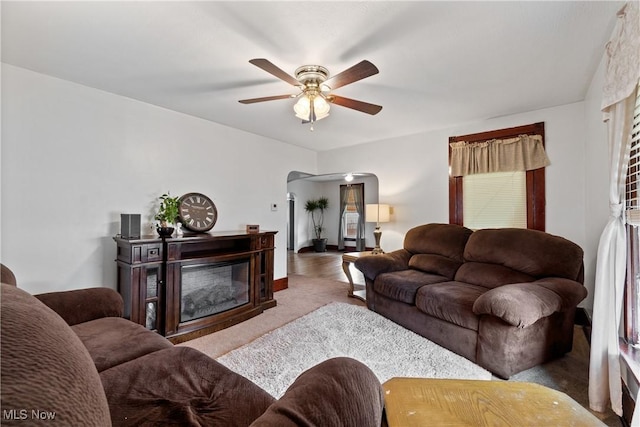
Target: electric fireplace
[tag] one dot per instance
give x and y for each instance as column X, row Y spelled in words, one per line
column 188, row 286
column 210, row 289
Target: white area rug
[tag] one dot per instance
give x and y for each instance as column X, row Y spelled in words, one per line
column 274, row 360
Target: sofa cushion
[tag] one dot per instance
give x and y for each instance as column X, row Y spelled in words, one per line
column 437, row 264
column 337, row 392
column 490, row 275
column 532, row 252
column 519, row 304
column 402, row 285
column 44, row 367
column 447, row 240
column 450, row 301
column 114, row 340
column 194, row 390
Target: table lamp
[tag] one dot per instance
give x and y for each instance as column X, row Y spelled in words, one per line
column 377, row 213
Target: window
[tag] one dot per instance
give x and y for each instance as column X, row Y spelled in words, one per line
column 350, row 215
column 351, row 221
column 493, row 200
column 632, row 205
column 498, row 199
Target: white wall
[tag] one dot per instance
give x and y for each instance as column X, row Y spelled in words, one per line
column 333, row 218
column 596, row 203
column 305, row 189
column 75, row 158
column 413, row 174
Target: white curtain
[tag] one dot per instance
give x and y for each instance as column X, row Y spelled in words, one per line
column 359, row 202
column 623, row 72
column 344, row 198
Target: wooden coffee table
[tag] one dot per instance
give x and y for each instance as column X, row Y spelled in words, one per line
column 439, row 402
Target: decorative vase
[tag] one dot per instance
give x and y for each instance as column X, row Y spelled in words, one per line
column 320, row 245
column 165, row 231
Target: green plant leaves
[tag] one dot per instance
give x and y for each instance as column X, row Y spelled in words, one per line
column 169, row 208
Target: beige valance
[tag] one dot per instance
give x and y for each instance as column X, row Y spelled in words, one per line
column 523, row 153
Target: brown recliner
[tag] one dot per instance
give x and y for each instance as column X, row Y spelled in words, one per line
column 70, row 356
column 7, row 276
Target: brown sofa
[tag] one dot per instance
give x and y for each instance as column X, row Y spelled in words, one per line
column 503, row 298
column 70, row 356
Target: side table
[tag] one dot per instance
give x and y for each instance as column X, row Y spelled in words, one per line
column 349, row 258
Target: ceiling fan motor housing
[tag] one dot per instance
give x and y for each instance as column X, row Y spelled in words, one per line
column 312, row 76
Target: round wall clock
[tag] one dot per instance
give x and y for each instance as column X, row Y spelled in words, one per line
column 197, row 212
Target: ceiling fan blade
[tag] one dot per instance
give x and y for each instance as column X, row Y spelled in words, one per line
column 267, row 66
column 359, row 71
column 266, row 98
column 365, row 107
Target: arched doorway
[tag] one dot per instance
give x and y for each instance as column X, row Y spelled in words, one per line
column 302, row 186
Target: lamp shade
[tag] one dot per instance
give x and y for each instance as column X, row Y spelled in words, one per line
column 302, row 108
column 377, row 213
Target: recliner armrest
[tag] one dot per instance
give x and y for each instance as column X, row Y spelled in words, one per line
column 372, row 266
column 83, row 305
column 337, row 392
column 520, row 304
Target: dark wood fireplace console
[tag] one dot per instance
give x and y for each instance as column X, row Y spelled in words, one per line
column 185, row 287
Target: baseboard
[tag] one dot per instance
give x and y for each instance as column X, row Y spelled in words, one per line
column 333, row 248
column 583, row 318
column 628, row 406
column 280, row 284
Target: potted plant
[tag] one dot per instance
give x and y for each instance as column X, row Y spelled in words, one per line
column 167, row 214
column 316, row 208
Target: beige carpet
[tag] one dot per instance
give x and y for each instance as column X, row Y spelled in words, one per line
column 305, row 294
column 274, row 360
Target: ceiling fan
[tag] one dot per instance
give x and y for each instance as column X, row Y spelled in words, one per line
column 315, row 89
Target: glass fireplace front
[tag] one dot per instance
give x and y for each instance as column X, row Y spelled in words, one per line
column 209, row 289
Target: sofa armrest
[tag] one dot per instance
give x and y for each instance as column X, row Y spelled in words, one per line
column 571, row 292
column 337, row 392
column 372, row 266
column 82, row 305
column 518, row 304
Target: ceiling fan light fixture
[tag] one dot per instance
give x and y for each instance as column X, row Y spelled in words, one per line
column 315, row 86
column 321, row 107
column 302, row 108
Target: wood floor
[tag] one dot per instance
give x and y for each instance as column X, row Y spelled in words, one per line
column 326, row 265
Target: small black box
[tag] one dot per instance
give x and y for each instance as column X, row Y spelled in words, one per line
column 130, row 226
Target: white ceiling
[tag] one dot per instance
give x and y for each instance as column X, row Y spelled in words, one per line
column 441, row 63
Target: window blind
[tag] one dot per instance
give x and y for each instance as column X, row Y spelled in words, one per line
column 632, row 193
column 495, row 200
